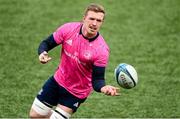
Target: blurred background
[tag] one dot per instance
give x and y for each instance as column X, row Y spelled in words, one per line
column 143, row 33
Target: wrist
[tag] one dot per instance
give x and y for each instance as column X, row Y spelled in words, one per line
column 98, row 84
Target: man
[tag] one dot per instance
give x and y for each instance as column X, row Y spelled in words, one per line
column 84, row 57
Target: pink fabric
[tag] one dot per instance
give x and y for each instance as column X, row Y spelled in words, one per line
column 77, row 57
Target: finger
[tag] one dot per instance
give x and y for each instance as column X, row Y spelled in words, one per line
column 108, row 92
column 117, row 94
column 44, row 59
column 117, row 88
column 49, row 58
column 113, row 93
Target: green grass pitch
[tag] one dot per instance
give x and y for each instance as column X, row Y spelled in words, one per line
column 143, row 33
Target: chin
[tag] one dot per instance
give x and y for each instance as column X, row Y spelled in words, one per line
column 93, row 32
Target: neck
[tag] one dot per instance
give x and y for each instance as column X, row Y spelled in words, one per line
column 86, row 34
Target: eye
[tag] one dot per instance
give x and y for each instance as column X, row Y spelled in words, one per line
column 91, row 18
column 99, row 20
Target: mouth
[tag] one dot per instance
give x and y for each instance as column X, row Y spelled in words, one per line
column 93, row 29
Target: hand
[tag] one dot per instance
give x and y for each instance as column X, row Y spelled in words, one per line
column 44, row 58
column 110, row 90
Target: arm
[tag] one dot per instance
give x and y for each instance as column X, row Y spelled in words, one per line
column 98, row 78
column 98, row 82
column 45, row 46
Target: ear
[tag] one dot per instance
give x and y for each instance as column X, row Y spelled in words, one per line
column 84, row 17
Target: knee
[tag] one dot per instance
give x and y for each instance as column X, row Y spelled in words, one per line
column 39, row 110
column 34, row 115
column 60, row 114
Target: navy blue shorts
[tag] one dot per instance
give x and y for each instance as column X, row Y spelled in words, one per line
column 52, row 94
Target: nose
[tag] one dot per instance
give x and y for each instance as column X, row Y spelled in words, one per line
column 94, row 22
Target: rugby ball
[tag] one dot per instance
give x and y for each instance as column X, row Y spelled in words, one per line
column 126, row 76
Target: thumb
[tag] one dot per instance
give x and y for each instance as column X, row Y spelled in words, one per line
column 49, row 58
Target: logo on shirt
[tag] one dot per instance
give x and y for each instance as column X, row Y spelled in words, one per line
column 74, row 57
column 87, row 55
column 40, row 92
column 76, row 104
column 69, row 41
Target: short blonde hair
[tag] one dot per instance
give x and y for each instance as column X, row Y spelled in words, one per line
column 95, row 8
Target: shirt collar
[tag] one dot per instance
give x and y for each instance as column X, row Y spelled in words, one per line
column 89, row 39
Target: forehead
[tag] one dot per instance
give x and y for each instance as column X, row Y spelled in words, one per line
column 98, row 15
